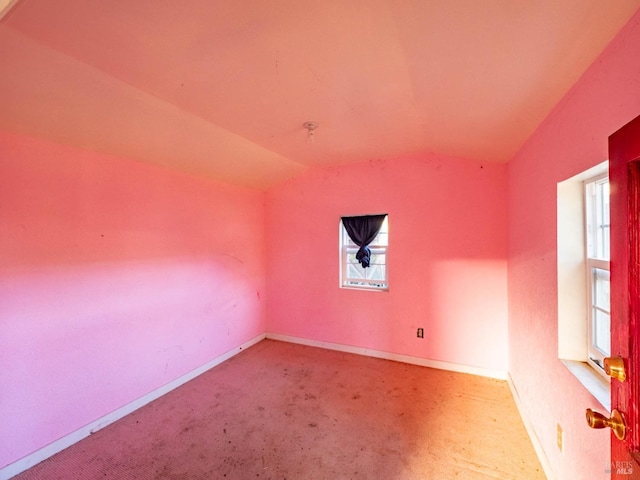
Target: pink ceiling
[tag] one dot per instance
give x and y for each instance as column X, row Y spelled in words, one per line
column 221, row 88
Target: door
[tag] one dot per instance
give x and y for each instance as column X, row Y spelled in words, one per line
column 624, row 177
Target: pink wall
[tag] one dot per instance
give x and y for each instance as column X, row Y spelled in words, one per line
column 447, row 259
column 116, row 278
column 572, row 139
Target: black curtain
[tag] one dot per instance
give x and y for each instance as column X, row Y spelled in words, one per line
column 362, row 230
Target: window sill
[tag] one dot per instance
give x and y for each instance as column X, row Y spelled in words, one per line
column 596, row 384
column 367, row 289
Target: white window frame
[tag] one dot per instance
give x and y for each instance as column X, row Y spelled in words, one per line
column 379, row 246
column 596, row 257
column 573, row 301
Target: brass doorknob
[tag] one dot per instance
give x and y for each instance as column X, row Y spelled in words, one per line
column 614, row 367
column 615, row 423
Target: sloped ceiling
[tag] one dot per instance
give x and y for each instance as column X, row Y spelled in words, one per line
column 221, row 88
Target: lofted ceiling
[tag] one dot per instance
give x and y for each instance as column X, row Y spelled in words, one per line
column 221, row 88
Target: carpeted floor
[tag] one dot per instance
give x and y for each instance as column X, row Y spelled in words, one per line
column 281, row 411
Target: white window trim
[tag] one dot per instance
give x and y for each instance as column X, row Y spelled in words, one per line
column 364, row 284
column 572, row 287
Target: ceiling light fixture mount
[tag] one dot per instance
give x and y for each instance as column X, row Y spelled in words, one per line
column 310, row 126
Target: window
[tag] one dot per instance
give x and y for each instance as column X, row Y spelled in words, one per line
column 583, row 293
column 597, row 267
column 352, row 273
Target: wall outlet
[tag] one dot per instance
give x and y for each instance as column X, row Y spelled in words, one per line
column 421, row 333
column 560, row 437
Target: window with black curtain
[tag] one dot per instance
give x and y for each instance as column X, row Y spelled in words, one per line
column 364, row 244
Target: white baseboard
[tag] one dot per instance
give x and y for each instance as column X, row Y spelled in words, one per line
column 454, row 367
column 45, row 452
column 537, row 446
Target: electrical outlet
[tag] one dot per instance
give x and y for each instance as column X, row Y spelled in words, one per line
column 560, row 438
column 421, row 333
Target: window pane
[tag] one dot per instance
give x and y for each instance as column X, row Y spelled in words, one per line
column 376, row 272
column 381, row 239
column 601, row 288
column 602, row 195
column 348, row 240
column 355, row 271
column 602, row 331
column 378, row 259
column 598, row 218
column 604, row 242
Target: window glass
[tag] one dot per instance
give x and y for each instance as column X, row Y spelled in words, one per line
column 597, row 249
column 601, row 313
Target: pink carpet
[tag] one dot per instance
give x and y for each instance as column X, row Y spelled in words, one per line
column 291, row 412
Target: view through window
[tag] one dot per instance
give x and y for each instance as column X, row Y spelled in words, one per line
column 597, row 262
